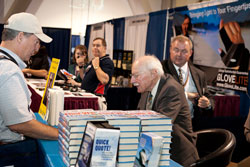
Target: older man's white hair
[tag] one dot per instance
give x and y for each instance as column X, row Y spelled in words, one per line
column 150, row 62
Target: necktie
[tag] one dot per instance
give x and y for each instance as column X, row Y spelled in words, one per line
column 149, row 101
column 180, row 76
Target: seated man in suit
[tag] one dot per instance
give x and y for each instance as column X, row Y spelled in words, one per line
column 166, row 96
column 192, row 79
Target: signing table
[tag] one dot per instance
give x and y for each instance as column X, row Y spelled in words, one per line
column 72, row 100
column 49, row 151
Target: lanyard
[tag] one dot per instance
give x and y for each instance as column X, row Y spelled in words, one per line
column 9, row 57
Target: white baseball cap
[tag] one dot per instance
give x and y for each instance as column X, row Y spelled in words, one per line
column 26, row 22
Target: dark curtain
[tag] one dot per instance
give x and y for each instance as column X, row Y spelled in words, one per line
column 156, row 34
column 119, row 28
column 60, row 46
column 1, row 29
column 87, row 36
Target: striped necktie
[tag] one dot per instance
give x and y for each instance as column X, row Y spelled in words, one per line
column 180, row 76
column 149, row 101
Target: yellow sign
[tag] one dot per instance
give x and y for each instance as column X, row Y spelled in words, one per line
column 49, row 84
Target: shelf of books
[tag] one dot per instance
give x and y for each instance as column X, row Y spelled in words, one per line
column 122, row 60
column 144, row 138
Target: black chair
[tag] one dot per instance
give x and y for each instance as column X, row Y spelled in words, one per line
column 215, row 147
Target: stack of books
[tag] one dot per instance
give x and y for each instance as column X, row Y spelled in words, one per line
column 158, row 124
column 129, row 126
column 71, row 128
column 72, row 125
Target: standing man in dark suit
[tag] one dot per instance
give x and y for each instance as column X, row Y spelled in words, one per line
column 192, row 79
column 166, row 96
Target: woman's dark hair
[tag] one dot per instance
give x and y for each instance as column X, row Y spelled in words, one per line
column 84, row 51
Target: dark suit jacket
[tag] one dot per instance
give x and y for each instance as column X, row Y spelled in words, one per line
column 170, row 100
column 199, row 81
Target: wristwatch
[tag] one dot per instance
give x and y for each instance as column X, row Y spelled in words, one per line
column 96, row 67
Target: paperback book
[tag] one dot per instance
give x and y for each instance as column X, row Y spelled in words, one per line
column 149, row 150
column 99, row 145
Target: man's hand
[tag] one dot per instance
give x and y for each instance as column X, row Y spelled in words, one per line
column 96, row 62
column 101, row 75
column 203, row 102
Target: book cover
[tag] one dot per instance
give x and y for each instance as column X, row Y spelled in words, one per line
column 67, row 74
column 83, row 159
column 105, row 148
column 149, row 150
column 49, row 84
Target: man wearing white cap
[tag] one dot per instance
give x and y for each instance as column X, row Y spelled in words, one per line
column 20, row 37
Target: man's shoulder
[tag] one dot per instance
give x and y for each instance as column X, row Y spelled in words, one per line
column 7, row 65
column 167, row 66
column 169, row 81
column 8, row 68
column 106, row 58
column 106, row 61
column 193, row 68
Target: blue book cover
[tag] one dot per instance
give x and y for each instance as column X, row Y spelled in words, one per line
column 149, row 150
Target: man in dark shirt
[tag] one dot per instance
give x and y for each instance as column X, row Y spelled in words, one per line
column 98, row 74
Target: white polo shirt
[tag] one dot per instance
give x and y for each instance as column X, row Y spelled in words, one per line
column 15, row 97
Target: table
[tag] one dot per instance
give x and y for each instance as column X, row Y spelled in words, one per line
column 76, row 102
column 49, row 150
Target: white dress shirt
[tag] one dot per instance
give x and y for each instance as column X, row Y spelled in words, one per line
column 189, row 86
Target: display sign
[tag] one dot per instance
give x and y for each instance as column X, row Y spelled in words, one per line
column 49, row 84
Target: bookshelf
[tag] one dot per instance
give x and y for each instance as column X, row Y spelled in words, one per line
column 122, row 60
